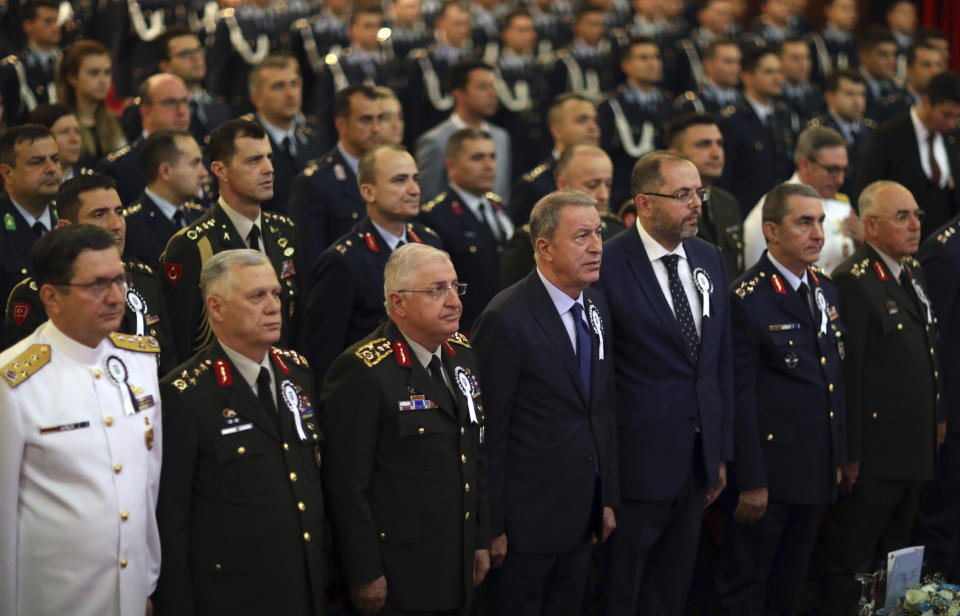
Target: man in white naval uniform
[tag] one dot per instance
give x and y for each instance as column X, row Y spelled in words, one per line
column 79, row 443
column 821, row 159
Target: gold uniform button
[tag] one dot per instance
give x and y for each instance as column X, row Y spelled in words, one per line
column 108, row 420
column 874, row 415
column 241, row 450
column 931, row 350
column 463, row 458
column 420, row 430
column 473, row 249
column 830, row 388
column 123, row 563
column 218, row 566
column 97, row 374
column 301, row 506
column 117, row 468
column 306, row 536
column 383, row 535
column 769, row 437
column 293, row 476
column 124, row 515
column 286, row 447
column 899, row 325
column 819, row 335
column 466, row 516
column 936, row 374
column 466, row 487
column 823, row 361
column 461, row 430
column 315, row 437
column 831, row 414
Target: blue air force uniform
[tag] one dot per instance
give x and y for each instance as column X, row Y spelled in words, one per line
column 149, row 229
column 26, row 80
column 789, row 431
column 591, row 71
column 530, row 188
column 426, row 99
column 125, row 166
column 290, row 156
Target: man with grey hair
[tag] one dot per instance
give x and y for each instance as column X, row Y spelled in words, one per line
column 892, row 381
column 548, row 379
column 788, row 442
column 821, row 159
column 346, row 282
column 404, row 468
column 241, row 511
column 674, row 385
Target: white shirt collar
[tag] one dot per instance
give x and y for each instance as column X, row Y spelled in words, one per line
column 762, row 111
column 352, row 161
column 391, row 239
column 248, row 368
column 922, row 133
column 45, row 218
column 654, row 249
column 166, row 208
column 459, row 123
column 423, row 354
column 241, row 223
column 278, row 134
column 789, row 276
column 471, row 200
column 561, row 300
column 891, row 264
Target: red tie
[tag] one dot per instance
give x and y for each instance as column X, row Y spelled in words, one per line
column 934, row 167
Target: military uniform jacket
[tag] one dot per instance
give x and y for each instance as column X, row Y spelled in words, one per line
column 426, row 99
column 125, row 166
column 25, row 82
column 149, row 229
column 206, row 114
column 830, row 50
column 940, row 256
column 79, row 474
column 325, row 203
column 591, row 74
column 524, row 93
column 346, row 291
column 474, row 250
column 404, row 470
column 543, row 421
column 789, row 431
column 311, row 143
column 721, row 226
column 190, row 248
column 530, row 188
column 16, row 241
column 890, row 370
column 758, row 156
column 628, row 130
column 241, row 504
column 145, row 313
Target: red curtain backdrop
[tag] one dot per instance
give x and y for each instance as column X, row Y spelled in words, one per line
column 945, row 15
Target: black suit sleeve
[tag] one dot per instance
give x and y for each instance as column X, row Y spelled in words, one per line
column 854, row 302
column 180, row 436
column 873, row 161
column 499, row 373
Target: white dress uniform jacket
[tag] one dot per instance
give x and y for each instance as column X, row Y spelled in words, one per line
column 79, row 474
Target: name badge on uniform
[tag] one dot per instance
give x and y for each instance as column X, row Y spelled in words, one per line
column 705, row 285
column 65, row 427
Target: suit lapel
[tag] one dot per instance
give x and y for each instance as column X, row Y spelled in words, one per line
column 240, row 396
column 545, row 313
column 642, row 269
column 706, row 323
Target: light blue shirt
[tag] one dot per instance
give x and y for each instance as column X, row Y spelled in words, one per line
column 564, row 305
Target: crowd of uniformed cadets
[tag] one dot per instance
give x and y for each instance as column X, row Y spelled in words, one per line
column 642, row 308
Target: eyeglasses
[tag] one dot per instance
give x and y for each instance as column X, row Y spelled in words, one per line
column 100, row 286
column 901, row 218
column 172, row 103
column 460, row 288
column 685, row 197
column 186, row 53
column 832, row 169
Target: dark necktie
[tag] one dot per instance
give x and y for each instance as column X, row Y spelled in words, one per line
column 179, row 218
column 584, row 346
column 39, row 228
column 265, row 391
column 436, row 373
column 253, row 238
column 934, row 167
column 288, row 147
column 804, row 292
column 681, row 307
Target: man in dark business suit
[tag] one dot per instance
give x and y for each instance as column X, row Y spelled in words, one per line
column 891, row 376
column 674, row 386
column 240, row 510
column 548, row 377
column 920, row 149
column 175, row 175
column 404, row 465
column 789, row 444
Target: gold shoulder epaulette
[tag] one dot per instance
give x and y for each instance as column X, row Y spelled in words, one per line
column 292, row 355
column 460, row 339
column 842, row 198
column 248, row 116
column 227, row 12
column 535, row 173
column 869, row 123
column 189, row 375
column 274, row 217
column 494, row 197
column 433, row 202
column 374, row 352
column 26, row 364
column 728, row 111
column 859, row 269
column 912, row 262
column 133, row 209
column 130, row 342
column 814, row 122
column 748, row 286
column 190, row 205
column 946, row 234
column 112, row 156
column 820, row 272
column 430, row 231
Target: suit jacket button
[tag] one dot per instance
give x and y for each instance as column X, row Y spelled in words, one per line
column 301, row 506
column 831, row 414
column 293, row 476
column 286, row 447
column 420, row 430
column 769, row 437
column 306, row 536
column 383, row 535
column 241, row 450
column 218, row 566
column 463, row 458
column 466, row 516
column 466, row 487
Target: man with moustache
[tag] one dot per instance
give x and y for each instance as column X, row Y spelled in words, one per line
column 891, row 378
column 346, row 286
column 93, row 200
column 789, row 445
column 241, row 161
column 404, row 468
column 542, row 350
column 582, row 167
column 674, row 386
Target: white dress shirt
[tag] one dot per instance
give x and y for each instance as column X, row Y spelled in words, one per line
column 939, row 149
column 242, row 224
column 249, row 369
column 655, row 252
column 46, row 218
